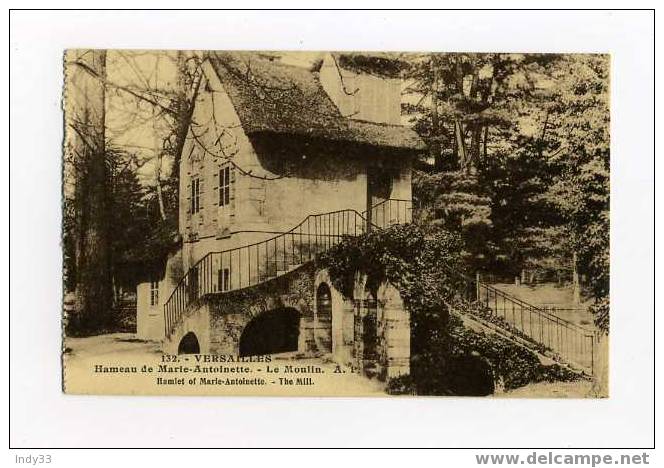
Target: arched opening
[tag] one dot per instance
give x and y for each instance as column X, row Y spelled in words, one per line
column 323, row 330
column 469, row 375
column 189, row 344
column 272, row 332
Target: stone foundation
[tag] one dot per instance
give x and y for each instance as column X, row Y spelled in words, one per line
column 369, row 331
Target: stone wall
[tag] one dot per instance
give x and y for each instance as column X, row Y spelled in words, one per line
column 219, row 320
column 231, row 312
column 390, row 356
column 150, row 318
column 394, row 332
column 342, row 320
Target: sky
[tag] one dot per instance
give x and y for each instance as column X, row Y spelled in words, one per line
column 131, row 124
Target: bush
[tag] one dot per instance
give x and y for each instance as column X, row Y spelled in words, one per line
column 446, row 358
column 411, row 258
column 513, row 366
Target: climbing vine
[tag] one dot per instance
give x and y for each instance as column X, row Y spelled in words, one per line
column 513, row 366
column 446, row 357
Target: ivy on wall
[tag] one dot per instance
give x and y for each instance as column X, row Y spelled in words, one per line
column 446, row 357
column 294, row 288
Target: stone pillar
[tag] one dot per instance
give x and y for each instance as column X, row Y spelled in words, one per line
column 341, row 320
column 344, row 353
column 359, row 313
column 306, row 340
column 395, row 330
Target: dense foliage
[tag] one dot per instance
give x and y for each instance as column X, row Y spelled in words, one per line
column 517, row 169
column 446, row 357
column 519, row 161
column 513, row 366
column 410, row 258
column 580, row 129
column 140, row 240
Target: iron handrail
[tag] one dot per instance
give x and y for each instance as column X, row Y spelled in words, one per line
column 385, row 208
column 320, row 231
column 279, row 235
column 516, row 300
column 571, row 342
column 272, row 252
column 537, row 309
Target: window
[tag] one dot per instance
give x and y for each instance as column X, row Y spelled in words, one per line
column 224, row 279
column 195, row 195
column 154, row 293
column 225, row 186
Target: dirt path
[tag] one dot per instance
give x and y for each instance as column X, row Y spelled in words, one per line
column 123, row 349
column 87, row 361
column 577, row 389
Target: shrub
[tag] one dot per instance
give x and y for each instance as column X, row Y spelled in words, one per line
column 446, row 358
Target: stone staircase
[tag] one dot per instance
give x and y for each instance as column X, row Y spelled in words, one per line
column 527, row 325
column 524, row 324
column 250, row 265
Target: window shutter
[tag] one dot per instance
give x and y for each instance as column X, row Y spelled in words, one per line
column 188, row 192
column 223, row 183
column 232, row 188
column 201, row 191
column 215, row 189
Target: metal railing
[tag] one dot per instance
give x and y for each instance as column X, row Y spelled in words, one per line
column 252, row 264
column 572, row 342
column 389, row 212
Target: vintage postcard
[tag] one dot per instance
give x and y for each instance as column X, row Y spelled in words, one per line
column 336, row 223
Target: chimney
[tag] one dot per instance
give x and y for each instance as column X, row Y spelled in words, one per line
column 360, row 94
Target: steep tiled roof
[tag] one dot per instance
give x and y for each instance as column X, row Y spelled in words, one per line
column 270, row 97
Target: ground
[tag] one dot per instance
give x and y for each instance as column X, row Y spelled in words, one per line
column 550, row 296
column 82, row 354
column 577, row 389
column 123, row 349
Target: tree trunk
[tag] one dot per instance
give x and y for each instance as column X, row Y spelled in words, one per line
column 476, row 136
column 185, row 106
column 576, row 286
column 160, row 197
column 461, row 145
column 476, row 130
column 156, row 143
column 85, row 102
column 486, row 138
column 436, row 148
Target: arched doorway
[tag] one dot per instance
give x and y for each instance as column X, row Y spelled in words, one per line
column 323, row 324
column 189, row 344
column 272, row 332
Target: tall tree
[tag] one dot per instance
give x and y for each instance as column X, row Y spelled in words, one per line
column 85, row 113
column 580, row 128
column 493, row 165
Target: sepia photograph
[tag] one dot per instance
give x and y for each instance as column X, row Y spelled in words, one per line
column 323, row 223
